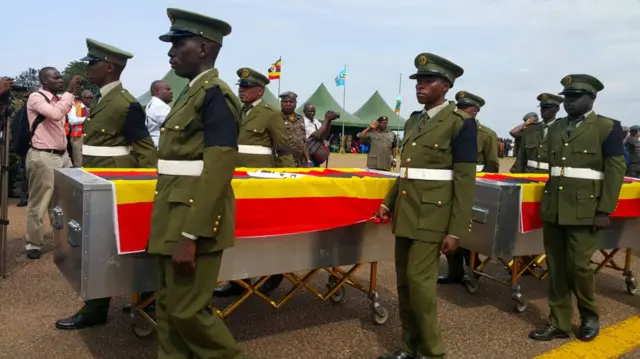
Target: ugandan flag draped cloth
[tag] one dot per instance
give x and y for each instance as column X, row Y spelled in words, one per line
column 268, row 202
column 532, row 186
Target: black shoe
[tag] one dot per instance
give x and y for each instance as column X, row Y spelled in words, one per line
column 445, row 279
column 33, row 253
column 548, row 333
column 81, row 321
column 589, row 329
column 22, row 203
column 397, row 355
column 271, row 284
column 232, row 289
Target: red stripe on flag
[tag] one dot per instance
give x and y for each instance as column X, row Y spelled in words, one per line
column 530, row 214
column 627, row 208
column 133, row 226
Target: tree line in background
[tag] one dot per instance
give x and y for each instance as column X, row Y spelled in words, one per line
column 29, row 79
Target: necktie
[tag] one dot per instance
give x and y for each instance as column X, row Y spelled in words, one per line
column 573, row 123
column 245, row 110
column 423, row 119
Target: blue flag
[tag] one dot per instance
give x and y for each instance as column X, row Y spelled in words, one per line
column 342, row 77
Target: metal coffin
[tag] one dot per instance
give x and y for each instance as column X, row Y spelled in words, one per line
column 86, row 252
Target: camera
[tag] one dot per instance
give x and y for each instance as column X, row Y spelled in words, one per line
column 335, row 114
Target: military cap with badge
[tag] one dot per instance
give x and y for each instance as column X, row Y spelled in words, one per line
column 430, row 65
column 464, row 99
column 186, row 24
column 288, row 95
column 581, row 83
column 98, row 51
column 250, row 78
column 547, row 99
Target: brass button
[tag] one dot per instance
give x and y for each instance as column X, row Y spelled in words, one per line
column 413, row 144
column 540, row 146
column 439, row 202
column 564, row 158
column 190, row 201
column 539, row 156
column 215, row 229
column 217, row 223
column 162, row 129
column 156, row 193
column 219, row 217
column 84, row 134
column 560, row 188
column 255, row 130
column 566, row 144
column 469, row 229
column 408, row 160
column 585, row 151
column 88, row 119
column 102, row 130
column 404, row 193
column 591, row 196
column 436, row 145
column 177, row 127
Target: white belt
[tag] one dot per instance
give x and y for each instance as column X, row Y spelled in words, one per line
column 426, row 174
column 540, row 165
column 582, row 173
column 254, row 150
column 104, row 151
column 479, row 168
column 180, row 168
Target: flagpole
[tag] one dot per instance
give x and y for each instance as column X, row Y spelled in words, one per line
column 399, row 95
column 344, row 100
column 279, row 78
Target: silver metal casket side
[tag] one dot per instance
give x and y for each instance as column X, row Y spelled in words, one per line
column 86, row 252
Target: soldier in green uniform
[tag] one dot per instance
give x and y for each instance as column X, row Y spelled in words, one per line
column 193, row 216
column 384, row 145
column 487, row 162
column 587, row 165
column 532, row 156
column 115, row 136
column 262, row 141
column 431, row 201
column 296, row 133
column 633, row 145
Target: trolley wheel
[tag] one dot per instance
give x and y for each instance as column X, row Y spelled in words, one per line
column 338, row 296
column 471, row 286
column 520, row 307
column 381, row 315
column 632, row 288
column 143, row 329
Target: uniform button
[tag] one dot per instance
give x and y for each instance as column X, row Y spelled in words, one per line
column 564, row 158
column 408, row 160
column 413, row 144
column 88, row 119
column 469, row 229
column 217, row 223
column 177, row 127
column 102, row 130
column 560, row 188
column 404, row 193
column 84, row 134
column 566, row 144
column 585, row 151
column 219, row 217
column 436, row 145
column 156, row 193
column 591, row 196
column 162, row 129
column 215, row 229
column 540, row 146
column 539, row 156
column 190, row 201
column 439, row 202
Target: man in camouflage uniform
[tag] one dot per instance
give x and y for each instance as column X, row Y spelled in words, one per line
column 262, row 143
column 633, row 145
column 193, row 218
column 586, row 161
column 532, row 156
column 431, row 202
column 384, row 145
column 296, row 134
column 115, row 136
column 487, row 162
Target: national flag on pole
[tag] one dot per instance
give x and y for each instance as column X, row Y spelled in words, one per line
column 398, row 103
column 274, row 70
column 342, row 77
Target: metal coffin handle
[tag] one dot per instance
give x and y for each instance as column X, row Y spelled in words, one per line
column 480, row 215
column 58, row 217
column 75, row 233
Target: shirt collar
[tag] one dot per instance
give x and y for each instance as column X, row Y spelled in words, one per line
column 104, row 90
column 198, row 77
column 434, row 111
column 256, row 102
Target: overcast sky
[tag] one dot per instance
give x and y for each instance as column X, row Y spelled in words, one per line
column 511, row 50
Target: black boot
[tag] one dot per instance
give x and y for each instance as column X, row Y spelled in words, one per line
column 548, row 333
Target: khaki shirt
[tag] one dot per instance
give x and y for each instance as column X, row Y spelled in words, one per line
column 380, row 154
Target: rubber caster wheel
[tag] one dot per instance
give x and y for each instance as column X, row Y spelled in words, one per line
column 472, row 288
column 381, row 315
column 143, row 330
column 520, row 307
column 632, row 288
column 338, row 296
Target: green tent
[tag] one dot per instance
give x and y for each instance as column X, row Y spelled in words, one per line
column 376, row 107
column 323, row 101
column 270, row 99
column 177, row 84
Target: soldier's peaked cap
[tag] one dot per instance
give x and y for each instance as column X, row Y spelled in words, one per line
column 634, row 128
column 581, row 83
column 434, row 65
column 186, row 23
column 550, row 99
column 464, row 98
column 250, row 77
column 97, row 50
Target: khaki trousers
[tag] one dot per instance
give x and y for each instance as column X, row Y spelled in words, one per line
column 40, row 166
column 76, row 146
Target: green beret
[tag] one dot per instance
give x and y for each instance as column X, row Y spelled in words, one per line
column 580, row 83
column 550, row 99
column 186, row 23
column 434, row 65
column 250, row 77
column 468, row 99
column 290, row 95
column 98, row 51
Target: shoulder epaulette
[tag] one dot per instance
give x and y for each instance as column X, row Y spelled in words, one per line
column 462, row 114
column 607, row 118
column 415, row 113
column 127, row 96
column 268, row 107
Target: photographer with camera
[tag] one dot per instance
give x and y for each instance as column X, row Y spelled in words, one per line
column 5, row 85
column 317, row 133
column 46, row 114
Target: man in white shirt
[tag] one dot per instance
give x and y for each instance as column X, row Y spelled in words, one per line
column 157, row 109
column 313, row 127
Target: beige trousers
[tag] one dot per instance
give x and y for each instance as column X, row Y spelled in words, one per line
column 76, row 146
column 40, row 166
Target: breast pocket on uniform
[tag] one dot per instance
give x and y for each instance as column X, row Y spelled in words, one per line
column 585, row 155
column 256, row 131
column 586, row 202
column 435, row 211
column 436, row 150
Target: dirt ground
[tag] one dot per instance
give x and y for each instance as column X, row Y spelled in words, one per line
column 482, row 326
